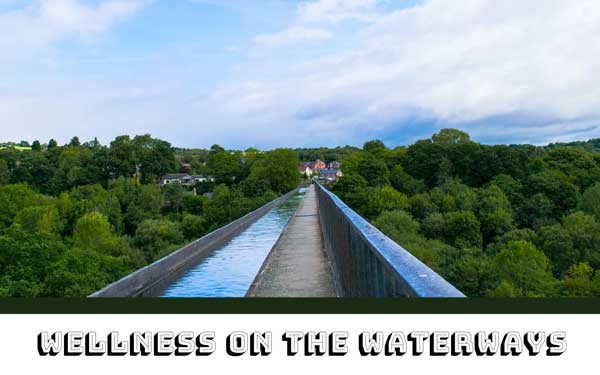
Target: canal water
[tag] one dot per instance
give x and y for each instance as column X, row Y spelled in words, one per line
column 229, row 270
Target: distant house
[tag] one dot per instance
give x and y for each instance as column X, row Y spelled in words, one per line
column 317, row 164
column 184, row 179
column 334, row 165
column 305, row 169
column 326, row 174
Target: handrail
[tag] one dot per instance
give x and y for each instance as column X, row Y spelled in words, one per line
column 367, row 263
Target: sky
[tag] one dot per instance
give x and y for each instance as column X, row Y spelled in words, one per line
column 290, row 73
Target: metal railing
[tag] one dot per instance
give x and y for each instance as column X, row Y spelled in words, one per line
column 366, row 263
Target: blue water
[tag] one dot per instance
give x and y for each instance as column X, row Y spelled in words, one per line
column 230, row 269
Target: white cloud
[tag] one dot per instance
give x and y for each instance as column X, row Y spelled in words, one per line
column 458, row 63
column 334, row 11
column 31, row 28
column 504, row 70
column 293, row 35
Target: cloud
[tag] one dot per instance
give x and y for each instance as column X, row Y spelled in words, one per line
column 458, row 63
column 334, row 11
column 506, row 71
column 293, row 35
column 29, row 29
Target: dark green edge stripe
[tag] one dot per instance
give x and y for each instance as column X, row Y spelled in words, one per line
column 298, row 306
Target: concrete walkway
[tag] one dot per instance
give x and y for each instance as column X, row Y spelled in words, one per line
column 297, row 265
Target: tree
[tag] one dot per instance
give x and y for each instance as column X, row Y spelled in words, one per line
column 122, row 157
column 405, row 183
column 52, row 144
column 465, row 198
column 193, row 226
column 375, row 147
column 399, row 226
column 75, row 142
column 223, row 166
column 371, row 168
column 590, row 202
column 526, row 268
column 557, row 243
column 578, row 281
column 25, row 259
column 154, row 238
column 494, row 213
column 36, row 146
column 449, row 137
column 563, row 194
column 434, row 226
column 467, row 269
column 4, row 172
column 585, row 233
column 174, row 195
column 39, row 218
column 370, row 202
column 443, row 201
column 463, row 230
column 403, row 229
column 92, row 198
column 148, row 203
column 511, row 187
column 15, row 198
column 421, row 206
column 155, row 157
column 279, row 169
column 536, row 212
column 500, row 242
column 93, row 232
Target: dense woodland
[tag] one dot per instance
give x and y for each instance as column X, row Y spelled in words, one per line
column 499, row 221
column 74, row 218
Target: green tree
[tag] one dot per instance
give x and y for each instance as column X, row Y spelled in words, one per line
column 155, row 157
column 500, row 242
column 421, row 206
column 590, row 202
column 25, row 258
column 4, row 172
column 585, row 232
column 193, row 226
column 405, row 183
column 443, row 201
column 92, row 198
column 557, row 243
column 39, row 218
column 36, row 146
column 223, row 165
column 403, row 229
column 434, row 226
column 448, row 137
column 463, row 230
column 494, row 213
column 93, row 232
column 155, row 238
column 526, row 268
column 15, row 198
column 578, row 280
column 75, row 142
column 279, row 169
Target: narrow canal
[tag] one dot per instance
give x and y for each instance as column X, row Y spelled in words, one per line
column 229, row 270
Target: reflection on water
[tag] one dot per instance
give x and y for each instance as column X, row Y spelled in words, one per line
column 229, row 270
